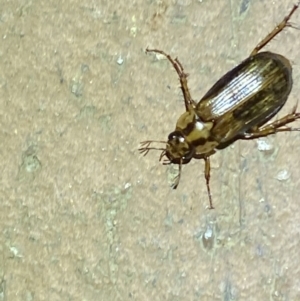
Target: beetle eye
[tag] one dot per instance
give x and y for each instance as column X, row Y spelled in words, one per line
column 177, row 136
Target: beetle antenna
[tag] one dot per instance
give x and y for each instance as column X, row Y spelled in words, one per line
column 146, row 147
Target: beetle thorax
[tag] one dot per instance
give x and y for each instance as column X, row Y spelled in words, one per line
column 192, row 138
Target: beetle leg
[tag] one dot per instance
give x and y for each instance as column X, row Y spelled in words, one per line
column 273, row 127
column 177, row 178
column 284, row 23
column 188, row 101
column 207, row 178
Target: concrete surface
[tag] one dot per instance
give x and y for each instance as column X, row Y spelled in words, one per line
column 83, row 215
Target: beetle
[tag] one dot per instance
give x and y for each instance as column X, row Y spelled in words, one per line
column 238, row 106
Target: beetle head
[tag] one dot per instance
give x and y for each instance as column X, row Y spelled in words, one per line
column 178, row 150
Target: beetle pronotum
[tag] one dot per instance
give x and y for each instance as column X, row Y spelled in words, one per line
column 238, row 106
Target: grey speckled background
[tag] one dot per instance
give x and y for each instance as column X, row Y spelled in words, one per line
column 85, row 217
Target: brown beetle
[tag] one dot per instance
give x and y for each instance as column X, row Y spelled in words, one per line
column 238, row 106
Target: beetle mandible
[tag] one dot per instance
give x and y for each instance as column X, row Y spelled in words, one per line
column 238, row 106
